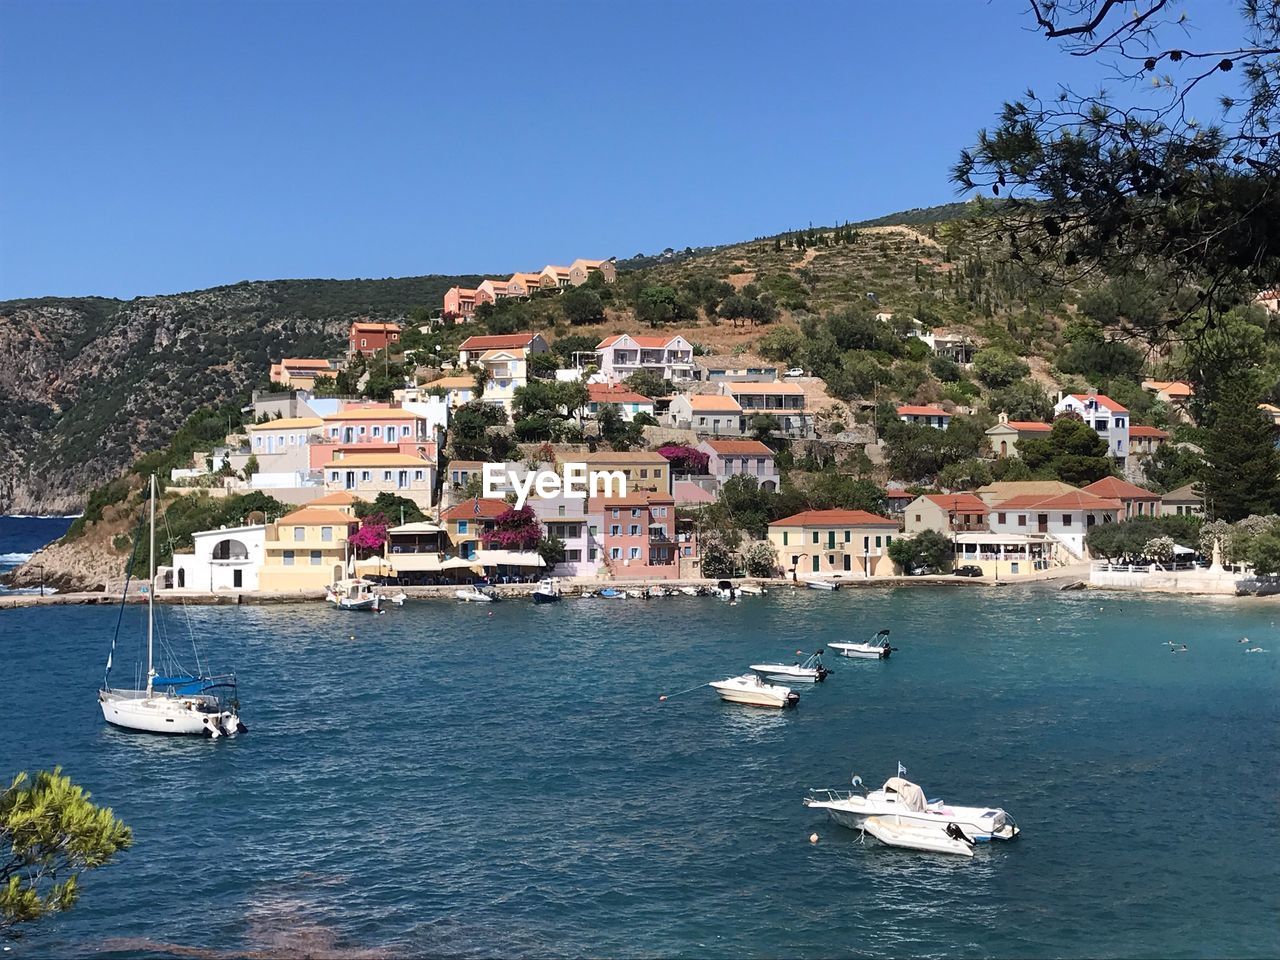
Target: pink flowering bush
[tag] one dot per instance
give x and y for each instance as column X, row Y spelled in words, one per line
column 685, row 459
column 514, row 530
column 371, row 536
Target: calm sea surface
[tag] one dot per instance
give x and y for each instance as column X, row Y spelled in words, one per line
column 465, row 781
column 22, row 536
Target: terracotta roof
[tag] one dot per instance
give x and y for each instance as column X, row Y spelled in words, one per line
column 373, row 413
column 793, row 389
column 1113, row 488
column 463, row 292
column 1076, row 500
column 466, row 464
column 500, row 342
column 379, row 460
column 1103, row 400
column 451, row 383
column 1174, row 388
column 638, row 498
column 910, row 411
column 465, row 510
column 310, row 516
column 304, row 362
column 648, row 342
column 835, row 518
column 625, row 456
column 562, row 271
column 371, row 327
column 1015, row 488
column 1030, row 426
column 339, row 499
column 711, row 403
column 753, row 447
column 605, row 393
column 526, row 278
column 580, row 262
column 1155, row 433
column 958, row 502
column 287, row 423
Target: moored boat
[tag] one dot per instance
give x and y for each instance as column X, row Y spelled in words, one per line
column 903, row 799
column 473, row 594
column 751, row 589
column 548, row 591
column 815, row 584
column 895, row 832
column 751, row 691
column 354, row 594
column 877, row 648
column 612, row 593
column 176, row 702
column 810, row 671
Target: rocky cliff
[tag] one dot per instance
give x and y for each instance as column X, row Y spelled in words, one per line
column 91, row 383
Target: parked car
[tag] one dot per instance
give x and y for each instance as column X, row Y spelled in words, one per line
column 795, row 372
column 968, row 570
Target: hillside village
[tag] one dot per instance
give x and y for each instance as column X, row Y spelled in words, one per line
column 768, row 422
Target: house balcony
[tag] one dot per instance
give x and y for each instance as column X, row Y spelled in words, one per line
column 969, row 527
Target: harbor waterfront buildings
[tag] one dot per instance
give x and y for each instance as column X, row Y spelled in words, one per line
column 307, row 549
column 834, row 543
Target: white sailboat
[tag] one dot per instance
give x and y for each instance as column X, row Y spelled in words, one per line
column 177, row 703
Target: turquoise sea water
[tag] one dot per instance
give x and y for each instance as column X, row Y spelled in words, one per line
column 455, row 783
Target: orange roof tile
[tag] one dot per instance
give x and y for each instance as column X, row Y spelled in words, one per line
column 1077, row 500
column 310, row 516
column 752, row 447
column 1152, row 433
column 606, row 393
column 1103, row 400
column 476, row 507
column 713, row 403
column 510, row 341
column 910, row 411
column 835, row 518
column 958, row 502
column 1113, row 488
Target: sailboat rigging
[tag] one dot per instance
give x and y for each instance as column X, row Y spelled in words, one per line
column 176, row 702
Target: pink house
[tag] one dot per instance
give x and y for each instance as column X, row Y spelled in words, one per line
column 637, row 536
column 751, row 458
column 459, row 302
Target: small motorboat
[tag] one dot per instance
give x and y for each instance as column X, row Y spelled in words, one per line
column 548, row 591
column 751, row 589
column 815, row 584
column 691, row 591
column 751, row 691
column 473, row 594
column 810, row 671
column 913, row 836
column 611, row 593
column 357, row 594
column 398, row 598
column 725, row 590
column 905, row 801
column 877, row 648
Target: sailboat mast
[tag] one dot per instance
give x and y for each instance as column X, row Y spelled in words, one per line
column 151, row 591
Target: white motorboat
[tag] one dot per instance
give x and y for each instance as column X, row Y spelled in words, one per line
column 810, row 671
column 750, row 690
column 725, row 590
column 751, row 589
column 356, row 594
column 691, row 591
column 397, row 598
column 877, row 648
column 548, row 591
column 905, row 800
column 815, row 584
column 895, row 832
column 176, row 702
column 472, row 594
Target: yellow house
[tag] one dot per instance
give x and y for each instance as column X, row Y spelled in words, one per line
column 834, row 543
column 307, row 549
column 644, row 470
column 368, row 474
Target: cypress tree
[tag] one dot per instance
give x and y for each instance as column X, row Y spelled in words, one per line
column 1242, row 472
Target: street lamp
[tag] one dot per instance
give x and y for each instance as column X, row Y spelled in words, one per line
column 796, row 566
column 41, row 568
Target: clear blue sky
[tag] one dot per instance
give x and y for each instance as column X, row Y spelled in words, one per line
column 154, row 147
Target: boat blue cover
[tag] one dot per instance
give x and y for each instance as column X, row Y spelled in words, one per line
column 188, row 686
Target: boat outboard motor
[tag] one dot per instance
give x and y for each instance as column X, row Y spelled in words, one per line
column 211, row 729
column 955, row 833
